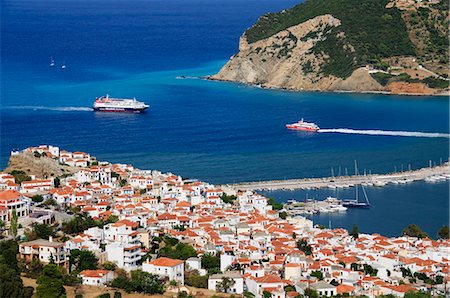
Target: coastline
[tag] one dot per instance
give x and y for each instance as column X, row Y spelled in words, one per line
column 261, row 86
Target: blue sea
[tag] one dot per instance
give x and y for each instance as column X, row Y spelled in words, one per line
column 217, row 132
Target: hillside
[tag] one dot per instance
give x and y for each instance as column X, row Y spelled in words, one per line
column 354, row 45
column 41, row 167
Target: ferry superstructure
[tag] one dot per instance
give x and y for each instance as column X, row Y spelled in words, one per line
column 303, row 125
column 109, row 104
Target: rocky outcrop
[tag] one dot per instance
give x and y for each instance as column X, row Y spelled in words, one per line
column 285, row 60
column 41, row 167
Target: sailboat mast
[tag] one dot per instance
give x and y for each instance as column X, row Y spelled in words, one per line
column 356, row 185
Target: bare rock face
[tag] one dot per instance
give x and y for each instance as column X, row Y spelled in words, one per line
column 42, row 167
column 285, row 60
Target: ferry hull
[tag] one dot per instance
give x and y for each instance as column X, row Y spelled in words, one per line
column 119, row 110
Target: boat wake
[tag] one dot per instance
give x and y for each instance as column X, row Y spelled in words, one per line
column 387, row 133
column 64, row 109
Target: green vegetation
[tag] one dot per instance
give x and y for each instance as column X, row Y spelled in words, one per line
column 194, row 279
column 385, row 78
column 140, row 281
column 373, row 31
column 11, row 285
column 20, row 176
column 443, row 232
column 317, row 274
column 355, row 232
column 436, row 83
column 50, row 284
column 39, row 231
column 83, row 221
column 304, row 246
column 225, row 284
column 82, row 260
column 13, row 223
column 37, row 198
column 228, row 199
column 211, row 262
column 275, row 205
column 176, row 250
column 283, row 215
column 413, row 230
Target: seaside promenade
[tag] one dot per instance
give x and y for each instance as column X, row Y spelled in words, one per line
column 429, row 174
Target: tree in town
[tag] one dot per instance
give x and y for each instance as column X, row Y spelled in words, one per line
column 417, row 294
column 20, row 176
column 355, row 232
column 13, row 224
column 317, row 274
column 43, row 231
column 194, row 279
column 49, row 283
column 109, row 266
column 303, row 245
column 82, row 260
column 443, row 232
column 144, row 282
column 311, row 293
column 10, row 282
column 275, row 205
column 225, row 284
column 37, row 198
column 228, row 199
column 414, row 230
column 211, row 262
column 283, row 214
column 56, row 182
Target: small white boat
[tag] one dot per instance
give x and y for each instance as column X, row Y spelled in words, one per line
column 63, row 66
column 52, row 62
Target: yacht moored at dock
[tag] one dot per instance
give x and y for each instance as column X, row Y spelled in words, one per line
column 303, row 125
column 121, row 105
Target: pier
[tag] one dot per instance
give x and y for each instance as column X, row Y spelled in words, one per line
column 429, row 174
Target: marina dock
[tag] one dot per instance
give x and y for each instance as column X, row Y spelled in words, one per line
column 429, row 174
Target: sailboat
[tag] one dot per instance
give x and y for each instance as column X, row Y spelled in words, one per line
column 355, row 203
column 52, row 62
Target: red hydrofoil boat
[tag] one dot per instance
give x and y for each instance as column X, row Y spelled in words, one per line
column 303, row 125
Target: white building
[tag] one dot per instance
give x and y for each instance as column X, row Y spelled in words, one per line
column 125, row 256
column 236, row 288
column 173, row 269
column 96, row 277
column 44, row 251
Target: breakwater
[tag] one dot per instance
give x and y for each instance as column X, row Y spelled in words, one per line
column 429, row 174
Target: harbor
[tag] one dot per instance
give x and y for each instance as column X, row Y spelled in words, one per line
column 428, row 174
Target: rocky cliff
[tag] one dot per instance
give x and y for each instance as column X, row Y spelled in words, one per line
column 362, row 46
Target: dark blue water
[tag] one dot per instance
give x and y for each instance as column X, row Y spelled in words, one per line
column 219, row 132
column 392, row 207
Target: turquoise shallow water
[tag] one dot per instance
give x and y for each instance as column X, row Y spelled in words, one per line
column 214, row 131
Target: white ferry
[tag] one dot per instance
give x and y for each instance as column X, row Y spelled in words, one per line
column 303, row 125
column 121, row 105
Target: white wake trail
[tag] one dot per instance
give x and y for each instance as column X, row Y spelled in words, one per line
column 65, row 109
column 417, row 134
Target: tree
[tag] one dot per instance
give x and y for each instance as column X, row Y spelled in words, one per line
column 417, row 294
column 177, row 250
column 211, row 262
column 311, row 293
column 443, row 232
column 275, row 205
column 37, row 198
column 194, row 279
column 355, row 232
column 225, row 284
column 144, row 282
column 304, row 246
column 13, row 223
column 50, row 284
column 414, row 230
column 317, row 274
column 43, row 231
column 109, row 266
column 10, row 283
column 82, row 260
column 20, row 176
column 56, row 182
column 283, row 215
column 228, row 199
